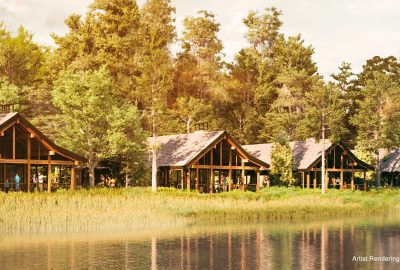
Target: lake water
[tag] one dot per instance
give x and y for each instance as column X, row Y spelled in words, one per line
column 318, row 245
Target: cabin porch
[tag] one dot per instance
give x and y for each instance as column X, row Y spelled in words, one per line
column 213, row 180
column 59, row 176
column 343, row 170
column 221, row 165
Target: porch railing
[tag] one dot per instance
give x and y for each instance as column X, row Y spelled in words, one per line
column 7, row 108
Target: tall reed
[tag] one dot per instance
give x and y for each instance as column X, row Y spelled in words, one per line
column 134, row 208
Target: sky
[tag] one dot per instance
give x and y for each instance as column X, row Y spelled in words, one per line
column 340, row 30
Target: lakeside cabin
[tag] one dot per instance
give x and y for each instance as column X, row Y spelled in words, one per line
column 206, row 161
column 28, row 152
column 390, row 166
column 340, row 168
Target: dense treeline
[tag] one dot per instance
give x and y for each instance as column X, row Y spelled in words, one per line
column 112, row 80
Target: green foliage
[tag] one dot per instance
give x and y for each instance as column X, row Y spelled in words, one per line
column 378, row 115
column 190, row 111
column 200, row 60
column 345, row 82
column 323, row 107
column 9, row 93
column 108, row 36
column 263, row 29
column 281, row 161
column 200, row 37
column 118, row 55
column 21, row 60
column 96, row 126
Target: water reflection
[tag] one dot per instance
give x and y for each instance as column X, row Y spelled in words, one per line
column 325, row 245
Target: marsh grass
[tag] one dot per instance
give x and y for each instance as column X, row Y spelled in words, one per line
column 137, row 208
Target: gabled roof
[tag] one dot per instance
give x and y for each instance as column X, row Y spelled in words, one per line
column 182, row 149
column 4, row 118
column 391, row 162
column 9, row 118
column 304, row 153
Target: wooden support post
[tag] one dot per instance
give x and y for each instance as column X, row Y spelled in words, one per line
column 341, row 171
column 183, row 176
column 308, row 179
column 302, row 180
column 243, row 172
column 49, row 173
column 188, row 180
column 29, row 164
column 212, row 170
column 315, row 180
column 72, row 184
column 258, row 182
column 167, row 172
column 326, row 179
column 352, row 180
column 165, row 177
column 365, row 181
column 334, row 157
column 197, row 176
column 13, row 154
column 352, row 177
column 220, row 154
column 230, row 170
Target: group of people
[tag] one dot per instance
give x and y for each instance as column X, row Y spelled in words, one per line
column 106, row 181
column 37, row 180
column 7, row 184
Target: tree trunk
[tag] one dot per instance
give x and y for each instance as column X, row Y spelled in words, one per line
column 377, row 169
column 323, row 156
column 188, row 124
column 91, row 175
column 154, row 155
column 154, row 171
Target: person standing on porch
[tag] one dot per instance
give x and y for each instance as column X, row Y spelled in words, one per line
column 34, row 181
column 17, row 182
column 7, row 185
column 40, row 180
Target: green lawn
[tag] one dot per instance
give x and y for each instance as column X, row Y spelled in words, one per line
column 136, row 208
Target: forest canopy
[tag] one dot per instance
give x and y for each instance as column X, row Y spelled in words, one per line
column 112, row 78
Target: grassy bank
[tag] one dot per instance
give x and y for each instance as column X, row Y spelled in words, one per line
column 134, row 208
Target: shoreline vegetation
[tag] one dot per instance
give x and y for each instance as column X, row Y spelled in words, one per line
column 138, row 208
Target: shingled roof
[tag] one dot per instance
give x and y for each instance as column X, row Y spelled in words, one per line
column 5, row 117
column 304, row 153
column 391, row 162
column 9, row 118
column 181, row 149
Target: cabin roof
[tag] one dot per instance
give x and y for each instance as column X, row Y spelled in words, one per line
column 304, row 153
column 391, row 161
column 5, row 117
column 181, row 149
column 8, row 118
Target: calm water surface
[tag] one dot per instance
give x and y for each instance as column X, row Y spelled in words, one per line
column 320, row 245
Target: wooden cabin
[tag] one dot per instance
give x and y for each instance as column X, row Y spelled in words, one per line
column 206, row 162
column 341, row 164
column 390, row 167
column 28, row 152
